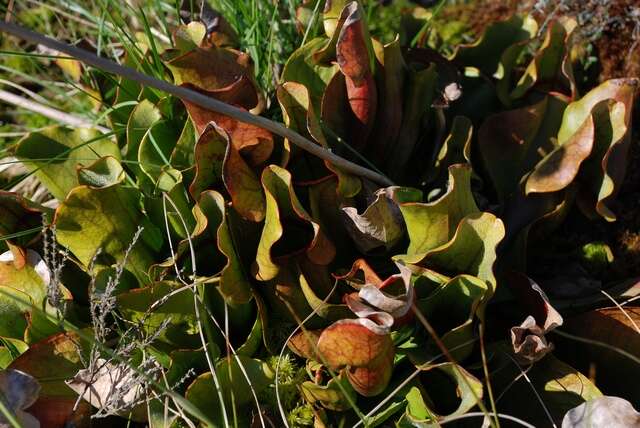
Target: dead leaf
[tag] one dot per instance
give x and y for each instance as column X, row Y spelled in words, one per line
column 528, row 339
column 111, row 385
column 602, row 412
column 18, row 391
column 365, row 348
column 380, row 225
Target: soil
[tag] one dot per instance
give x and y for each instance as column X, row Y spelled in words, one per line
column 615, row 31
column 619, row 46
column 626, row 231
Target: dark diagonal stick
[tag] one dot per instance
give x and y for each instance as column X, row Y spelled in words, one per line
column 195, row 98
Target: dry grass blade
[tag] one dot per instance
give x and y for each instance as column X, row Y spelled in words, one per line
column 192, row 286
column 481, row 414
column 284, row 346
column 198, row 299
column 51, row 113
column 619, row 306
column 446, row 352
column 84, row 336
column 407, row 380
column 523, row 373
column 622, row 352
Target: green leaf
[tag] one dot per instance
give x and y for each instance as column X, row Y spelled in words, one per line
column 468, row 392
column 19, row 215
column 13, row 322
column 331, row 15
column 547, row 65
column 485, row 53
column 563, row 379
column 26, row 272
column 234, row 285
column 415, row 111
column 472, row 250
column 286, row 299
column 202, row 392
column 155, row 149
column 299, row 114
column 456, row 147
column 560, row 167
column 301, row 68
column 143, row 117
column 54, row 153
column 125, row 91
column 617, row 331
column 511, row 143
column 294, row 101
column 183, row 327
column 560, row 388
column 327, row 54
column 596, row 256
column 430, row 225
column 106, row 219
column 229, row 158
column 325, row 200
column 329, row 311
column 104, row 172
column 182, row 157
column 332, row 395
column 182, row 362
column 189, row 37
column 10, row 349
column 417, row 409
column 605, row 169
column 313, row 277
column 580, row 110
column 391, row 97
column 24, row 280
column 254, row 340
column 209, row 155
column 288, row 228
column 178, row 216
column 451, row 309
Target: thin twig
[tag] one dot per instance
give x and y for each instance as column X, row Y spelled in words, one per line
column 533, row 388
column 615, row 302
column 225, row 332
column 7, row 16
column 495, row 423
column 479, row 414
column 205, row 347
column 196, row 98
column 620, row 351
column 37, row 98
column 51, row 113
column 404, row 383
